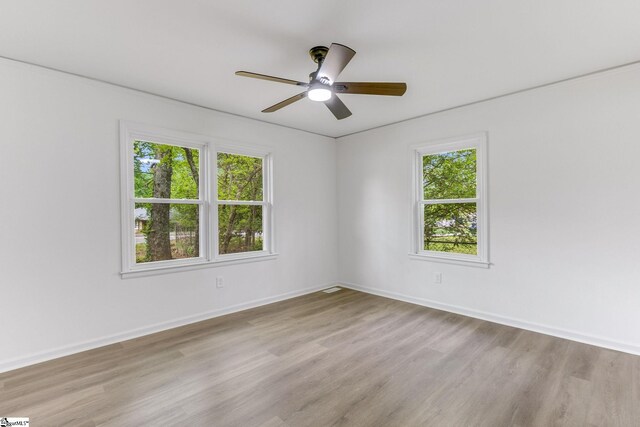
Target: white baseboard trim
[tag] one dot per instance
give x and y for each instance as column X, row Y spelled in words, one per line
column 509, row 321
column 9, row 365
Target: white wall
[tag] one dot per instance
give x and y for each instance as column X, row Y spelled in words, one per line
column 564, row 177
column 60, row 288
column 564, row 216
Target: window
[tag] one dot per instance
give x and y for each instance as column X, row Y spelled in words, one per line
column 189, row 201
column 241, row 203
column 167, row 201
column 450, row 210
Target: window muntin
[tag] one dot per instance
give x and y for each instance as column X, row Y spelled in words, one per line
column 451, row 219
column 169, row 187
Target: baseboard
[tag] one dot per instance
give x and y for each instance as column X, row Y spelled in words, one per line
column 9, row 365
column 517, row 323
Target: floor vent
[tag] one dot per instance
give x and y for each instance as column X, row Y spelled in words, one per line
column 330, row 290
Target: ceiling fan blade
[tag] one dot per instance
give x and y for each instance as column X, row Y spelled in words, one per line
column 270, row 78
column 370, row 88
column 286, row 102
column 337, row 58
column 337, row 107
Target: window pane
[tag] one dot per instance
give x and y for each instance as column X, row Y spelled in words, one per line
column 451, row 227
column 239, row 228
column 166, row 231
column 239, row 177
column 165, row 171
column 450, row 175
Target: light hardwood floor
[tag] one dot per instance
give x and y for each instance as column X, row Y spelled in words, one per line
column 340, row 359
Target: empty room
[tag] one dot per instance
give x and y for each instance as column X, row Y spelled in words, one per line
column 339, row 213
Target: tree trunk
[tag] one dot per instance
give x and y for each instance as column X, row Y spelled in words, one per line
column 229, row 231
column 250, row 235
column 159, row 237
column 194, row 173
column 192, row 165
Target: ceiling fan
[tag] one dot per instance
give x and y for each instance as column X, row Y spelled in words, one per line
column 323, row 87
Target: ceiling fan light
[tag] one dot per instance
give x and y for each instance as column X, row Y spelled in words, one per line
column 319, row 94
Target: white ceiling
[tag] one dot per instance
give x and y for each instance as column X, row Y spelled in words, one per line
column 450, row 52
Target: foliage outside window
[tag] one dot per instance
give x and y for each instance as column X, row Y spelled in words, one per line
column 167, row 201
column 183, row 206
column 240, row 203
column 450, row 227
column 451, row 216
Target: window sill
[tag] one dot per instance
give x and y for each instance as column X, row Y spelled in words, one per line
column 223, row 261
column 447, row 260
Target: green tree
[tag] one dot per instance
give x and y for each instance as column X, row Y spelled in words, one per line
column 239, row 178
column 450, row 227
column 172, row 172
column 167, row 171
column 158, row 231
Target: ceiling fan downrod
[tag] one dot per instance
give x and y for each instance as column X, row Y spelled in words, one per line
column 317, row 53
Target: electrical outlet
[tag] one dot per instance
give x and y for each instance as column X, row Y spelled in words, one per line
column 437, row 278
column 219, row 282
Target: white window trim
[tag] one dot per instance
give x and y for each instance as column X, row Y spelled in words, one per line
column 209, row 147
column 479, row 142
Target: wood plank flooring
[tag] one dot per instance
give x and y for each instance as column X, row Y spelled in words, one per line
column 340, row 359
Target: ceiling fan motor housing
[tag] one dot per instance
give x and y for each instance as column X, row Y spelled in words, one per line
column 318, row 54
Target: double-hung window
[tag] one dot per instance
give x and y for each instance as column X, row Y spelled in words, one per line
column 166, row 201
column 450, row 207
column 242, row 208
column 191, row 201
